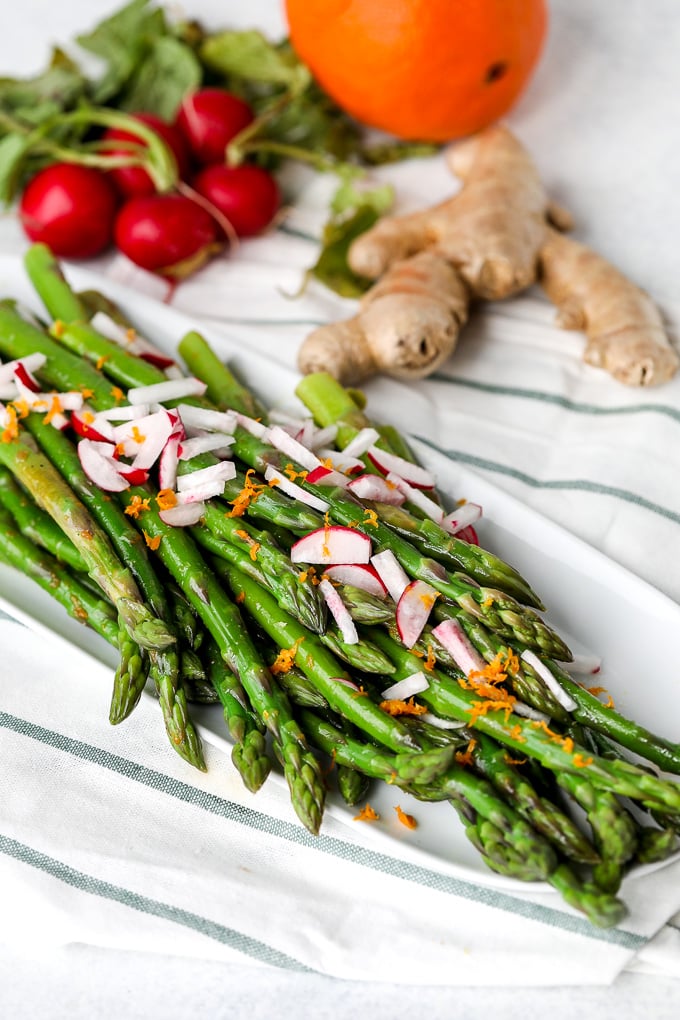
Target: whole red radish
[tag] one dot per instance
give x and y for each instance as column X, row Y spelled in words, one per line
column 246, row 195
column 209, row 119
column 166, row 234
column 70, row 208
column 131, row 181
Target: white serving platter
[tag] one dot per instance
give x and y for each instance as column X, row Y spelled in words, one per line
column 596, row 604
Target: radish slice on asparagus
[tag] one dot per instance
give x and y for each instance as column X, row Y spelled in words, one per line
column 335, row 544
column 359, row 575
column 413, row 610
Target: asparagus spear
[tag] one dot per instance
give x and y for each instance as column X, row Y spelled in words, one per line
column 319, row 665
column 37, row 475
column 222, row 618
column 35, row 524
column 249, row 753
column 449, row 700
column 224, row 389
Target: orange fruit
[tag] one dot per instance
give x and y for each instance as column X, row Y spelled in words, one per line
column 431, row 70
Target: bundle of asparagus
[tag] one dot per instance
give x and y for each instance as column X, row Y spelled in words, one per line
column 325, row 610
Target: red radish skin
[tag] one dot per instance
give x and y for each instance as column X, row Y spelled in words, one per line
column 166, row 234
column 386, row 462
column 208, row 120
column 81, row 428
column 413, row 610
column 468, row 535
column 325, row 476
column 375, row 487
column 359, row 575
column 339, row 612
column 453, row 638
column 71, row 209
column 247, row 196
column 134, row 181
column 335, row 544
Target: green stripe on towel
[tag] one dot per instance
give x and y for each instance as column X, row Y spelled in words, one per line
column 330, row 845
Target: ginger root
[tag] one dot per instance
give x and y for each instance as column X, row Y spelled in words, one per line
column 490, row 231
column 625, row 331
column 407, row 325
column 492, row 239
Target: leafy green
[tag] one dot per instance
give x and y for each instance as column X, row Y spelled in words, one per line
column 168, row 73
column 123, row 42
column 353, row 212
column 248, row 54
column 32, row 100
column 13, row 148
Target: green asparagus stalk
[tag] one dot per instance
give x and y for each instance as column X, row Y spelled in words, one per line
column 224, row 389
column 35, row 524
column 319, row 665
column 49, row 281
column 222, row 618
column 448, row 699
column 249, row 753
column 352, row 785
column 37, row 475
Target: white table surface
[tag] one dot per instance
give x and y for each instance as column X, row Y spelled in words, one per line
column 601, row 120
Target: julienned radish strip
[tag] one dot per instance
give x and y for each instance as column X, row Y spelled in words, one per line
column 413, row 610
column 411, row 685
column 171, row 389
column 389, row 463
column 284, row 442
column 363, row 441
column 462, row 517
column 278, row 479
column 453, row 638
column 416, row 497
column 551, row 682
column 339, row 612
column 391, row 573
column 377, row 489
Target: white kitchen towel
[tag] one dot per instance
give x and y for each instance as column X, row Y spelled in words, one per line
column 106, row 837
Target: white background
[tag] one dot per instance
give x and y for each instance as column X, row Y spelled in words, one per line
column 601, row 118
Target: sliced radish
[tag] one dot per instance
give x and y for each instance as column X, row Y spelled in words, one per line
column 521, row 708
column 207, row 419
column 135, row 476
column 217, row 442
column 414, row 474
column 155, row 429
column 157, row 359
column 183, row 514
column 391, row 573
column 453, row 638
column 334, row 544
column 252, row 425
column 340, row 461
column 339, row 612
column 468, row 535
column 550, row 681
column 172, row 389
column 31, row 363
column 326, row 476
column 462, row 517
column 284, row 442
column 413, row 610
column 126, row 412
column 279, row 479
column 108, row 327
column 442, row 724
column 215, row 474
column 359, row 575
column 377, row 488
column 279, row 417
column 94, row 429
column 346, row 682
column 201, row 492
column 167, row 464
column 8, row 391
column 25, row 377
column 411, row 685
column 417, row 497
column 584, row 664
column 100, row 469
column 322, row 437
column 362, row 442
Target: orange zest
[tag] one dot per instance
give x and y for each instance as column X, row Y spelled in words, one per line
column 465, row 757
column 248, row 494
column 166, row 499
column 367, row 814
column 55, row 409
column 137, row 506
column 370, row 519
column 431, row 661
column 407, row 820
column 152, row 543
column 11, row 430
column 581, row 762
column 293, row 474
column 285, row 660
column 396, row 706
column 117, row 394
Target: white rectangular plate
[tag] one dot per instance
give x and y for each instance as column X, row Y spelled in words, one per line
column 595, row 604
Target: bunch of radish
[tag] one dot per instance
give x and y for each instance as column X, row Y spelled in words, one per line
column 79, row 210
